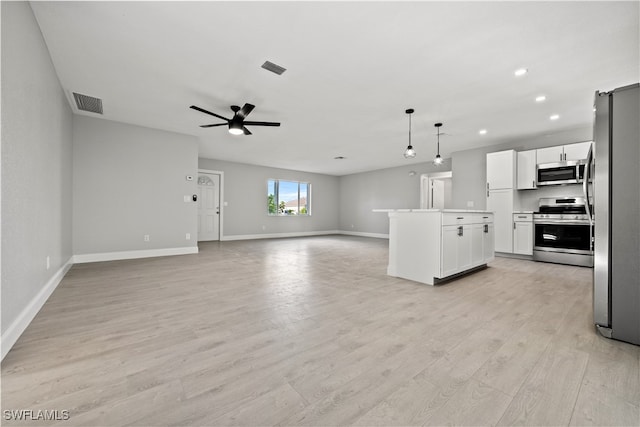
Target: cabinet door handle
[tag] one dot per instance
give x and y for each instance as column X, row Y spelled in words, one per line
column 533, row 183
column 522, row 216
column 486, row 228
column 460, row 231
column 514, row 225
column 460, row 217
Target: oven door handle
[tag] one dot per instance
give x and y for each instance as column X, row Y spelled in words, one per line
column 561, row 222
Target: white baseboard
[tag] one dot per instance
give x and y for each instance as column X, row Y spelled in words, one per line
column 278, row 235
column 362, row 234
column 147, row 253
column 302, row 234
column 18, row 326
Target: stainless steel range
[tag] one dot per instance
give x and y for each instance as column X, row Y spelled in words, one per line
column 563, row 231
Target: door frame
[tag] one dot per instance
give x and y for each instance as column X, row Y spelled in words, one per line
column 425, row 180
column 221, row 215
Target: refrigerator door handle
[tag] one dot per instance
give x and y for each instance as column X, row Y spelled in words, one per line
column 585, row 184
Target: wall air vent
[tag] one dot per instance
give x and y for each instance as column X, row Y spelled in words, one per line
column 88, row 103
column 274, row 68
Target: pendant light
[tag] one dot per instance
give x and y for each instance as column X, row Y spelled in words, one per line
column 438, row 160
column 409, row 153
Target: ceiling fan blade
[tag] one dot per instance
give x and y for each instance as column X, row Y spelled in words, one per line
column 202, row 110
column 246, row 109
column 262, row 123
column 217, row 124
column 246, row 131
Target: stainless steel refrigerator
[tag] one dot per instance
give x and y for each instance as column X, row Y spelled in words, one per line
column 616, row 199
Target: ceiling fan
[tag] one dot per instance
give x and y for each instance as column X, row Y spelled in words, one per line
column 237, row 124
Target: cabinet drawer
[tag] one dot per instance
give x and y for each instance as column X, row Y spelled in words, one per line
column 486, row 218
column 457, row 219
column 522, row 217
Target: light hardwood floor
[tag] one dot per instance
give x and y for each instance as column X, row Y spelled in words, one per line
column 311, row 331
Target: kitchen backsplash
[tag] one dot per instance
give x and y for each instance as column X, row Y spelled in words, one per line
column 527, row 200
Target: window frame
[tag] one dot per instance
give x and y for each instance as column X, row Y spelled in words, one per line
column 276, row 194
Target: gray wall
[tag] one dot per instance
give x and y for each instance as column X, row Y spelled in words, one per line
column 245, row 191
column 129, row 181
column 392, row 188
column 470, row 170
column 36, row 163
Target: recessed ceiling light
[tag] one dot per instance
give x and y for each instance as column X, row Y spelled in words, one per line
column 520, row 72
column 541, row 98
column 554, row 117
column 482, row 131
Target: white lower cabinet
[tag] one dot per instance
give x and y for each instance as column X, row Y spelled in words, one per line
column 523, row 234
column 466, row 244
column 488, row 241
column 477, row 244
column 456, row 249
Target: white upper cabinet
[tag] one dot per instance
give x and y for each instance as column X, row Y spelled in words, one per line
column 501, row 170
column 550, row 154
column 527, row 161
column 577, row 151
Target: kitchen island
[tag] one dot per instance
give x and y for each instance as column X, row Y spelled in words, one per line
column 435, row 245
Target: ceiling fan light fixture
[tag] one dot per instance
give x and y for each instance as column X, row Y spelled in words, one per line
column 235, row 128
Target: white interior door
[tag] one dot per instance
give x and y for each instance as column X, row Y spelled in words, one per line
column 208, row 206
column 435, row 190
column 437, row 194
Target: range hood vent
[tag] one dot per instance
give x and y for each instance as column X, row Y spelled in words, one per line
column 274, row 68
column 88, row 103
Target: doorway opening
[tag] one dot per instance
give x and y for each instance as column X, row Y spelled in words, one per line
column 436, row 190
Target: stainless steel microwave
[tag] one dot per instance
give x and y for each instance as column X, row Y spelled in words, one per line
column 569, row 172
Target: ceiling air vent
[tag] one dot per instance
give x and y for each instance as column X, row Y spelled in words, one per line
column 274, row 68
column 88, row 103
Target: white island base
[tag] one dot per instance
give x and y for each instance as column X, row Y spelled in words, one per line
column 434, row 245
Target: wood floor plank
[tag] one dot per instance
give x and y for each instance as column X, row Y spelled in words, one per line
column 403, row 406
column 473, row 404
column 597, row 407
column 549, row 394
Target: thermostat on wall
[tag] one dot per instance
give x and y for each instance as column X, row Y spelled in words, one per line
column 189, row 177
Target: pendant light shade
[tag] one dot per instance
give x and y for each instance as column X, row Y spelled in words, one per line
column 438, row 160
column 409, row 153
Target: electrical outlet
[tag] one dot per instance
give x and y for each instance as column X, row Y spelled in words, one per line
column 188, row 236
column 470, row 204
column 146, row 237
column 264, row 227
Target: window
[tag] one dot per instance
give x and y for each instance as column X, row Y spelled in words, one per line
column 288, row 197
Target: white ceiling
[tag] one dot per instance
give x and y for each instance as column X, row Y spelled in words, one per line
column 353, row 68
